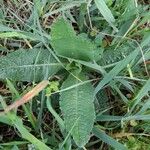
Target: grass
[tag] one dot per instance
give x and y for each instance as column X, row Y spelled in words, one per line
column 94, row 58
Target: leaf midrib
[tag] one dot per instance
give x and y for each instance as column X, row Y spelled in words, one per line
column 37, row 65
column 77, row 95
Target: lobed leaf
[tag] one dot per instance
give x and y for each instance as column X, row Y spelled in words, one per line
column 66, row 43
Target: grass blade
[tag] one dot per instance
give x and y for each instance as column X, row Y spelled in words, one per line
column 28, row 136
column 116, row 70
column 122, row 118
column 57, row 117
column 107, row 139
column 141, row 94
column 23, row 35
column 106, row 13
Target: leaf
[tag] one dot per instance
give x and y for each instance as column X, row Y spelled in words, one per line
column 144, row 90
column 122, row 118
column 28, row 96
column 65, row 42
column 65, row 6
column 107, row 139
column 20, row 34
column 113, row 55
column 28, row 65
column 28, row 136
column 78, row 109
column 116, row 70
column 103, row 100
column 53, row 112
column 106, row 13
column 3, row 118
column 13, row 120
column 4, row 28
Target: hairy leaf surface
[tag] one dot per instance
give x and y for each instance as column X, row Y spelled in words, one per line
column 28, row 65
column 78, row 109
column 67, row 44
column 110, row 55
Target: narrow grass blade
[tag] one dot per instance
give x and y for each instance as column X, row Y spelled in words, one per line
column 57, row 117
column 125, row 100
column 28, row 136
column 65, row 7
column 141, row 94
column 106, row 13
column 145, row 106
column 12, row 119
column 23, row 35
column 4, row 28
column 116, row 70
column 27, row 96
column 108, row 118
column 122, row 118
column 126, row 84
column 17, row 96
column 94, row 66
column 14, row 143
column 5, row 120
column 107, row 139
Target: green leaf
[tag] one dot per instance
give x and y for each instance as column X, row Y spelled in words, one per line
column 28, row 65
column 106, row 12
column 107, row 139
column 78, row 109
column 20, row 34
column 101, row 117
column 144, row 90
column 3, row 118
column 103, row 100
column 11, row 119
column 116, row 70
column 28, row 136
column 66, row 43
column 66, row 5
column 53, row 112
column 113, row 55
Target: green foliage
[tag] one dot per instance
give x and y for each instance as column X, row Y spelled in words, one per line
column 105, row 11
column 108, row 40
column 116, row 70
column 133, row 143
column 28, row 65
column 78, row 109
column 53, row 87
column 66, row 43
column 101, row 134
column 112, row 54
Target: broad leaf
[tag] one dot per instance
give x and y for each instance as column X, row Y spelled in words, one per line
column 66, row 43
column 78, row 109
column 28, row 65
